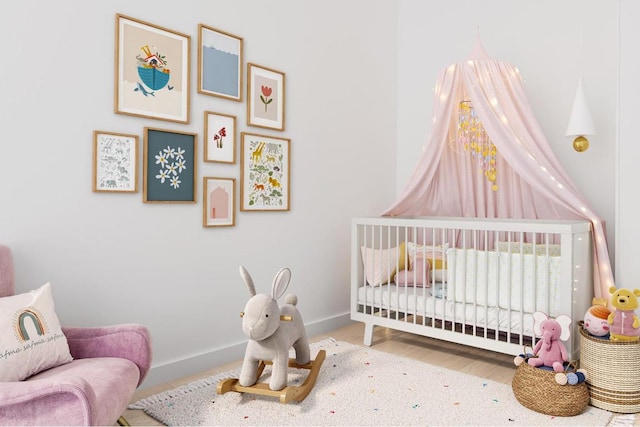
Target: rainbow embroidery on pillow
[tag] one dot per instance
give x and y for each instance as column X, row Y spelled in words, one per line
column 34, row 317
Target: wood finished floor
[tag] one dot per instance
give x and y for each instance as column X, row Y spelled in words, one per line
column 494, row 366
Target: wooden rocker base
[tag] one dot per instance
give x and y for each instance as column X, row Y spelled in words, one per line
column 287, row 394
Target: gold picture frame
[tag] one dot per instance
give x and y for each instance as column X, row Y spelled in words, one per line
column 115, row 162
column 152, row 71
column 218, row 202
column 220, row 63
column 265, row 176
column 265, row 97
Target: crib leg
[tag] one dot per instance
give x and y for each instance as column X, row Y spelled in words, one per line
column 368, row 333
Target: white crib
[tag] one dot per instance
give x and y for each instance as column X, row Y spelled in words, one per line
column 481, row 284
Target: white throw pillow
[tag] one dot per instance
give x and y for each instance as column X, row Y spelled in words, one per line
column 31, row 339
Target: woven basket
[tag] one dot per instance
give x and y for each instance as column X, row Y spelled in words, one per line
column 613, row 372
column 538, row 390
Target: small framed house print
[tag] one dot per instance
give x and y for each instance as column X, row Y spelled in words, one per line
column 218, row 201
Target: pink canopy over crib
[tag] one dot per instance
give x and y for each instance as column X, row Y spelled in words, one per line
column 523, row 180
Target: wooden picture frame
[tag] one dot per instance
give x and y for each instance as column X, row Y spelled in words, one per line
column 265, row 97
column 220, row 63
column 115, row 162
column 220, row 137
column 152, row 71
column 264, row 173
column 218, row 202
column 169, row 166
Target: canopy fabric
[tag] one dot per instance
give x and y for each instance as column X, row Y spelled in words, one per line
column 530, row 181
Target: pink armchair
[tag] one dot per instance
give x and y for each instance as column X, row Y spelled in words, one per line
column 109, row 363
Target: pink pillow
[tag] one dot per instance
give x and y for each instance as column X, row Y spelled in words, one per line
column 417, row 276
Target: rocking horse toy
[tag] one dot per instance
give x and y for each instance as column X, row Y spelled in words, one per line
column 272, row 330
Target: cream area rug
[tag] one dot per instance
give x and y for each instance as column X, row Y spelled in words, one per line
column 360, row 386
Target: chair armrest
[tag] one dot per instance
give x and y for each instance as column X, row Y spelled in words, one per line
column 127, row 341
column 47, row 402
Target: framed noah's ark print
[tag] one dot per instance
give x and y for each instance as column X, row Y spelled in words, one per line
column 220, row 63
column 264, row 173
column 218, row 201
column 169, row 166
column 265, row 97
column 152, row 71
column 115, row 162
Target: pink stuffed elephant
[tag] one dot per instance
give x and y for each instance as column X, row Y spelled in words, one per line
column 549, row 350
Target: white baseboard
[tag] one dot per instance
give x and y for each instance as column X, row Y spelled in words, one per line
column 192, row 365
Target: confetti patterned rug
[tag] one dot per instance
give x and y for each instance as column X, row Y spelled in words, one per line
column 360, row 386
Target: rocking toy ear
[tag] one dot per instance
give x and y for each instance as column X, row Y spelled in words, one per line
column 280, row 283
column 248, row 280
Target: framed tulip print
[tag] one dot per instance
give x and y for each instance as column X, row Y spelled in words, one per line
column 220, row 137
column 152, row 71
column 218, row 202
column 220, row 63
column 264, row 173
column 265, row 97
column 169, row 166
column 115, row 162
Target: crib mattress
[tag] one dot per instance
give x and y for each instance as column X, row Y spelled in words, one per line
column 421, row 301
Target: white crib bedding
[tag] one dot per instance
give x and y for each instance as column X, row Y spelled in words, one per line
column 526, row 281
column 420, row 301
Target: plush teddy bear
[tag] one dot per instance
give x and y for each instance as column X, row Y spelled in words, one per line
column 625, row 325
column 549, row 350
column 595, row 319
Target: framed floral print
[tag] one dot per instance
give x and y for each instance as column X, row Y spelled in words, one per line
column 220, row 137
column 170, row 166
column 265, row 97
column 220, row 63
column 152, row 71
column 115, row 162
column 264, row 173
column 218, row 201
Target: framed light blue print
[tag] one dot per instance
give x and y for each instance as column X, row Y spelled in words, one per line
column 220, row 63
column 170, row 166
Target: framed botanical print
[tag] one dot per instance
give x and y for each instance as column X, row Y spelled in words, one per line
column 220, row 137
column 115, row 162
column 218, row 201
column 152, row 71
column 220, row 63
column 264, row 173
column 265, row 97
column 170, row 166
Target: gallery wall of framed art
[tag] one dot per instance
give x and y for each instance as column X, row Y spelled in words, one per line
column 152, row 66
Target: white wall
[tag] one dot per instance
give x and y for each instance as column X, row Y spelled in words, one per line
column 541, row 38
column 111, row 258
column 628, row 202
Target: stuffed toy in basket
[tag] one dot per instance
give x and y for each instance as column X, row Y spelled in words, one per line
column 544, row 380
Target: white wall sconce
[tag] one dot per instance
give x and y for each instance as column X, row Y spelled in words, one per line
column 580, row 122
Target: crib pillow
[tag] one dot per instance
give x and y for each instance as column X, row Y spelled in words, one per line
column 380, row 265
column 417, row 276
column 434, row 254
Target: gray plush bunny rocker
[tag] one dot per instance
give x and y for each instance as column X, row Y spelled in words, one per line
column 272, row 331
